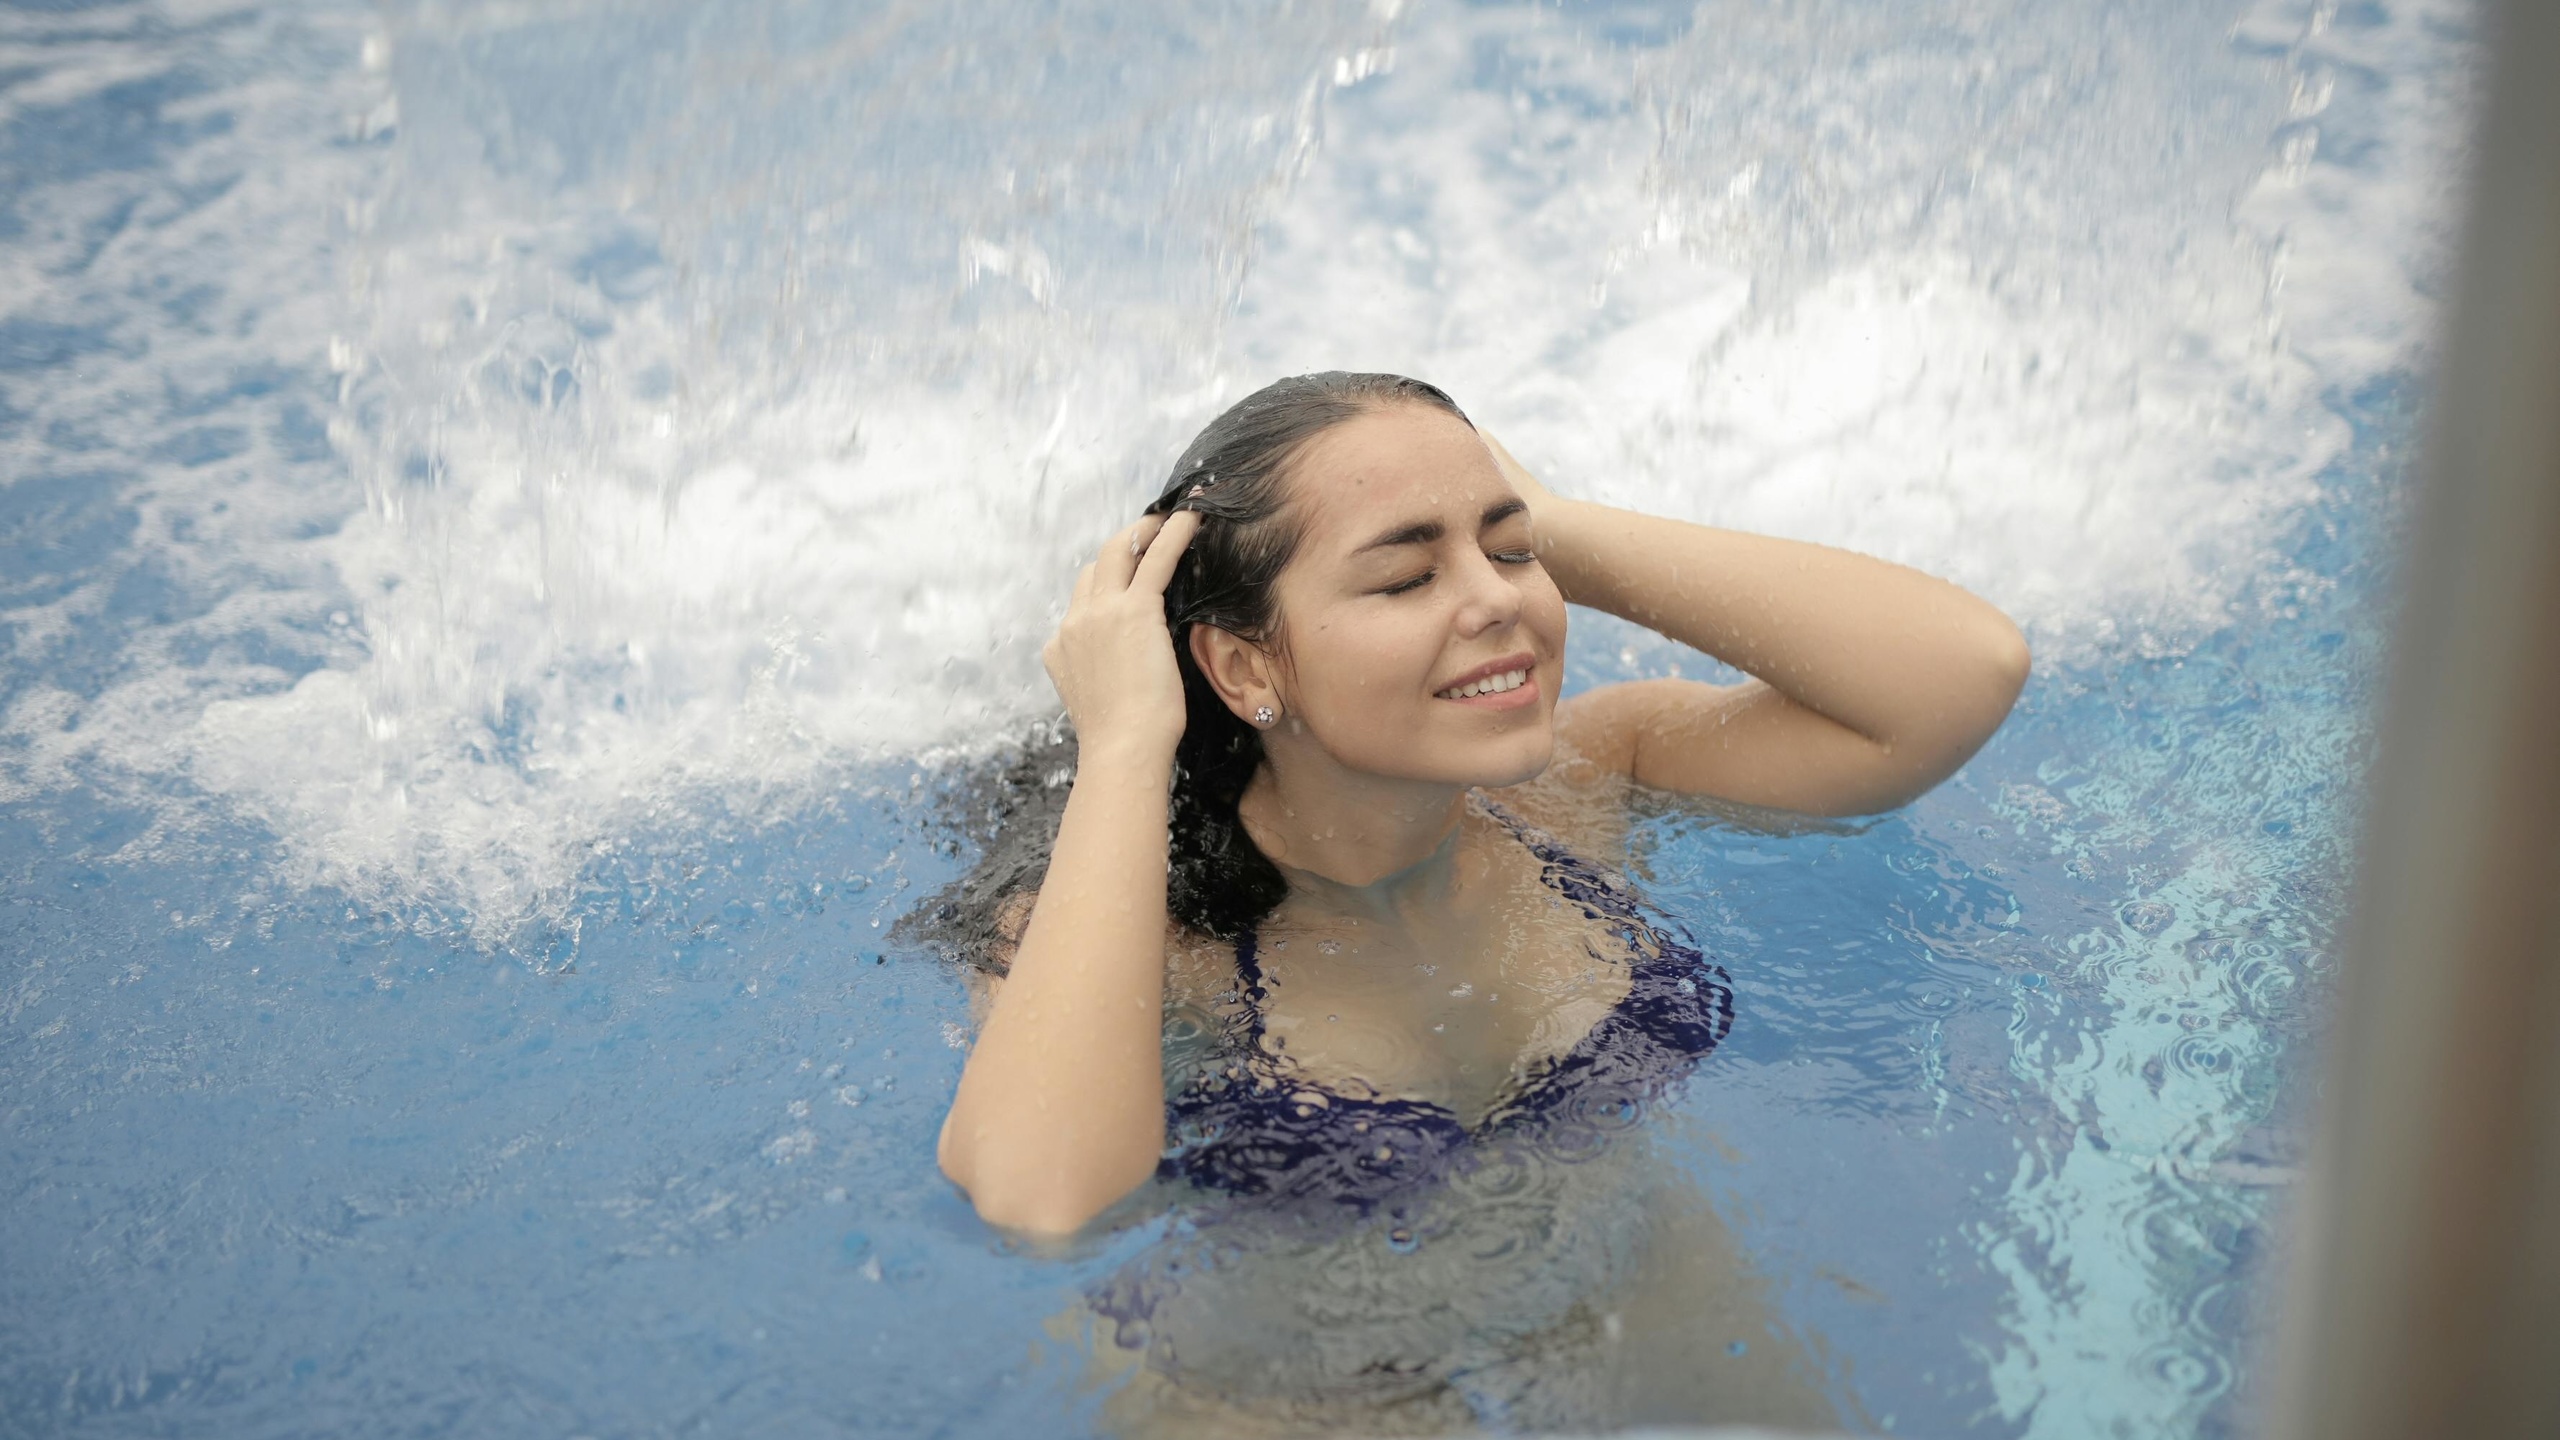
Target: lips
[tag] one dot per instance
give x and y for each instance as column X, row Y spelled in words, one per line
column 1505, row 678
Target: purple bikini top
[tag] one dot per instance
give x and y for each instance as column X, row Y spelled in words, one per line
column 1247, row 1128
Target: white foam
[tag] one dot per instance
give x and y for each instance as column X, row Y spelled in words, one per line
column 1981, row 298
column 703, row 453
column 729, row 405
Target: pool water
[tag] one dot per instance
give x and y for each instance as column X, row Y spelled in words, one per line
column 515, row 523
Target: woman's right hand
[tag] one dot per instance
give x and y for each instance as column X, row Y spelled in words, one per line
column 1080, row 1020
column 1112, row 658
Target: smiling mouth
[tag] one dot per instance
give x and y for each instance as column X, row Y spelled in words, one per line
column 1489, row 685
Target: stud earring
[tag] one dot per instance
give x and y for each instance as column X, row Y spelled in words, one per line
column 1263, row 715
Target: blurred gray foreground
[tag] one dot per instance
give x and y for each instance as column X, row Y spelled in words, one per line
column 2426, row 1294
column 1683, row 1432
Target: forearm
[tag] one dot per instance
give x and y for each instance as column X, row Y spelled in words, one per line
column 1899, row 657
column 1061, row 1107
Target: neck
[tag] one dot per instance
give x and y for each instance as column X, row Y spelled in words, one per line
column 1311, row 815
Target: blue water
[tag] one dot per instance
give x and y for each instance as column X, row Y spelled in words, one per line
column 511, row 524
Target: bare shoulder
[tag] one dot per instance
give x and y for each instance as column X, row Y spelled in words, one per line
column 1581, row 798
column 1610, row 723
column 1603, row 738
column 1747, row 744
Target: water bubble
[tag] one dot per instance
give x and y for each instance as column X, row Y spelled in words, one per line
column 2147, row 917
column 2186, row 1369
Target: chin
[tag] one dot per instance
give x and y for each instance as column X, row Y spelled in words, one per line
column 1478, row 760
column 1513, row 760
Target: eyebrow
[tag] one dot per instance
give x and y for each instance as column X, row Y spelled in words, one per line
column 1425, row 532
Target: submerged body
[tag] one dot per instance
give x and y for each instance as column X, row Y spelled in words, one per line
column 1256, row 1120
column 1382, row 902
column 1420, row 1200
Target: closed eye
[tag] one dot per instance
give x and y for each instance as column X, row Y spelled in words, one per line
column 1405, row 586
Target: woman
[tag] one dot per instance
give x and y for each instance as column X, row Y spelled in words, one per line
column 1331, row 652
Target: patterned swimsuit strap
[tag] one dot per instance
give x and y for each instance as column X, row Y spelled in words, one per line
column 1600, row 895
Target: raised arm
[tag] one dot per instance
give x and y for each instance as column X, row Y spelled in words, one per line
column 1060, row 1110
column 1872, row 682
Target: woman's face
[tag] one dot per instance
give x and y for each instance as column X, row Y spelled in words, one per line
column 1421, row 639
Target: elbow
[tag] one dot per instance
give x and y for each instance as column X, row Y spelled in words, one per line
column 1998, row 671
column 1039, row 1215
column 2006, row 663
column 1055, row 1211
column 1050, row 1203
column 1982, row 689
column 1986, row 671
column 2001, row 666
column 2011, row 661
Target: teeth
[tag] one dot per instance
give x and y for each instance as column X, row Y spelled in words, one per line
column 1490, row 685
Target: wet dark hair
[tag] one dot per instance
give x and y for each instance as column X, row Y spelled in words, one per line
column 1009, row 806
column 1234, row 476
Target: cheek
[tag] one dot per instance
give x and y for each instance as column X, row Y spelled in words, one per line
column 1544, row 614
column 1359, row 664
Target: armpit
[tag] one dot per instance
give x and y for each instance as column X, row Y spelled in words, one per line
column 1012, row 918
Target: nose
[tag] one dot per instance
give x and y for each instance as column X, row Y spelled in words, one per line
column 1491, row 600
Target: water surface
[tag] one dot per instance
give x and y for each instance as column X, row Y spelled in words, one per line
column 511, row 516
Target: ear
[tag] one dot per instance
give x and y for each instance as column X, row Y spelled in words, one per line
column 1243, row 673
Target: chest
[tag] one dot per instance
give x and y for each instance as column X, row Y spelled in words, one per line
column 1452, row 1009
